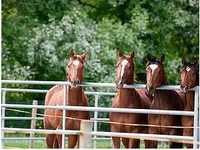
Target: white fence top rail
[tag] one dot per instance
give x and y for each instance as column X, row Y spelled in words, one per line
column 103, row 109
column 86, row 84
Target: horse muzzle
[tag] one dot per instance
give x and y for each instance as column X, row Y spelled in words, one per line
column 149, row 90
column 184, row 88
column 75, row 83
column 119, row 83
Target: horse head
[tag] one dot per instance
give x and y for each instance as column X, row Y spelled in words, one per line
column 188, row 74
column 125, row 69
column 75, row 68
column 155, row 74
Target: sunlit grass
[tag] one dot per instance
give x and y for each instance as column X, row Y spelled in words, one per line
column 41, row 143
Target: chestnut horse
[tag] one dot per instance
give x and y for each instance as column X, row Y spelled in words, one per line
column 128, row 98
column 163, row 100
column 189, row 79
column 75, row 97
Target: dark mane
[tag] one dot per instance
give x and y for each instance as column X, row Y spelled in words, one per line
column 154, row 61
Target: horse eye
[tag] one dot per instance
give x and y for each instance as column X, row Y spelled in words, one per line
column 68, row 66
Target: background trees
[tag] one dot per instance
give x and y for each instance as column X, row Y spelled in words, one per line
column 37, row 36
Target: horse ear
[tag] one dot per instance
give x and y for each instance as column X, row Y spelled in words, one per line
column 148, row 57
column 195, row 62
column 132, row 54
column 162, row 58
column 83, row 56
column 120, row 53
column 183, row 60
column 71, row 53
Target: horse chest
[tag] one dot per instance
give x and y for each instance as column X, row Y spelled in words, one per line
column 124, row 117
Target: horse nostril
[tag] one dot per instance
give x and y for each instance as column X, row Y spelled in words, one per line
column 149, row 89
column 78, row 82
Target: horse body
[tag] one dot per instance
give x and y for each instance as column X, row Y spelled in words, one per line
column 189, row 79
column 128, row 98
column 53, row 118
column 145, row 97
column 163, row 100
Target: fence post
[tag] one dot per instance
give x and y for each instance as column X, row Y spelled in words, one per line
column 33, row 124
column 3, row 115
column 85, row 136
column 199, row 119
column 195, row 131
column 95, row 122
column 64, row 116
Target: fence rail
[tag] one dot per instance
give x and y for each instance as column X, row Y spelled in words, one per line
column 104, row 109
column 86, row 84
column 97, row 109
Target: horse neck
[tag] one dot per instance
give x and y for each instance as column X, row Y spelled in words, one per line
column 159, row 95
column 189, row 100
column 127, row 97
column 74, row 95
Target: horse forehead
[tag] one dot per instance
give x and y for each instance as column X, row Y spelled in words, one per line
column 153, row 67
column 124, row 62
column 76, row 62
column 188, row 68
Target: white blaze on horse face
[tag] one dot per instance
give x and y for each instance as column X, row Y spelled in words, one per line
column 188, row 69
column 153, row 68
column 76, row 62
column 123, row 63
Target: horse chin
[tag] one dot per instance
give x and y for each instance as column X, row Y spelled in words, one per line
column 119, row 85
column 74, row 85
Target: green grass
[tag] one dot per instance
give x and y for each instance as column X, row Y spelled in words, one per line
column 41, row 143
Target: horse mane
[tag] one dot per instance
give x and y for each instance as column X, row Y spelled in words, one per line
column 197, row 75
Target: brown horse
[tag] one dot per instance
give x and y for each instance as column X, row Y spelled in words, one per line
column 128, row 98
column 163, row 100
column 189, row 79
column 75, row 97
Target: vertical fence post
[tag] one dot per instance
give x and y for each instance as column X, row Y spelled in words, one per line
column 195, row 131
column 64, row 116
column 85, row 136
column 95, row 122
column 33, row 124
column 199, row 119
column 3, row 115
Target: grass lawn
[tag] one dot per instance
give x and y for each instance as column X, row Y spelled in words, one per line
column 41, row 143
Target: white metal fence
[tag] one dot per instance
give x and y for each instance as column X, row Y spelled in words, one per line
column 97, row 109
